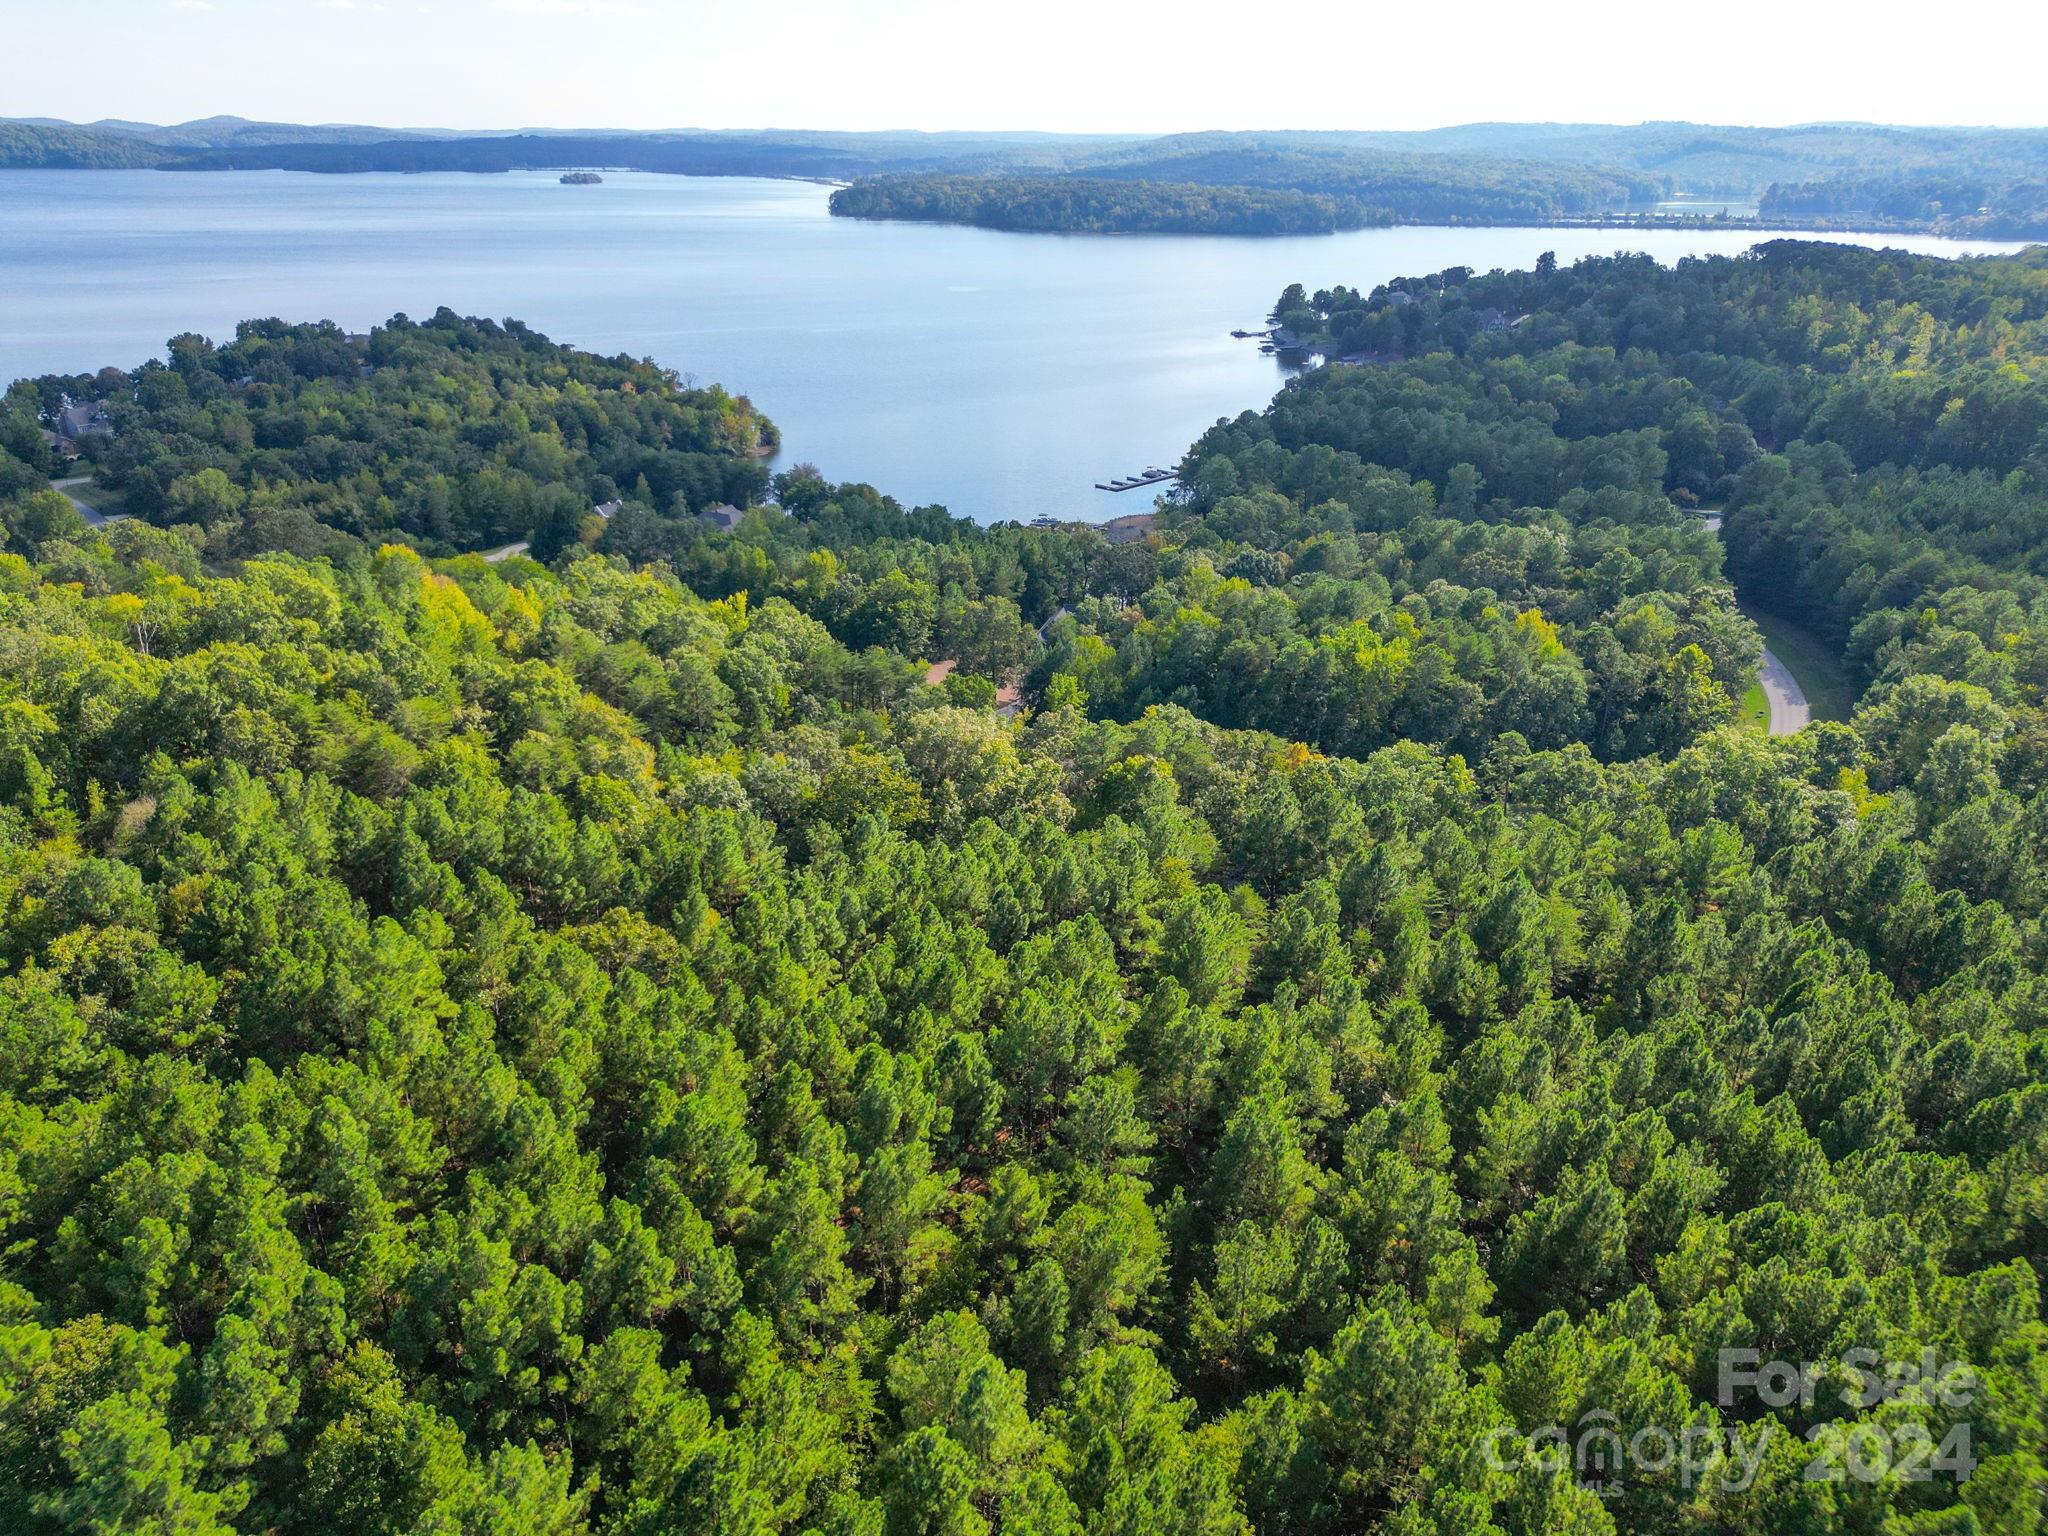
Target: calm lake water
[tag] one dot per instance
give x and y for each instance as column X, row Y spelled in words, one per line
column 1000, row 374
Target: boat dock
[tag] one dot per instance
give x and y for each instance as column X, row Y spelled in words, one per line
column 1152, row 476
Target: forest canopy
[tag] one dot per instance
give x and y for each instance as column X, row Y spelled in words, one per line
column 451, row 433
column 621, row 1043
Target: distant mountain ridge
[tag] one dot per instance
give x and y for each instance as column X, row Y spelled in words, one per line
column 1984, row 181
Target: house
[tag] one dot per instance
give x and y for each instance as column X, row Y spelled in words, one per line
column 84, row 420
column 1493, row 319
column 725, row 517
column 608, row 509
column 61, row 446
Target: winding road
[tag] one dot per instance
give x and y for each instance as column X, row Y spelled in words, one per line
column 1790, row 712
column 91, row 514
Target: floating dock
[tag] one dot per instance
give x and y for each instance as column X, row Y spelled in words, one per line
column 1132, row 482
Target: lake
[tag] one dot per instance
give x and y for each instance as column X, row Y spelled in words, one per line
column 1000, row 374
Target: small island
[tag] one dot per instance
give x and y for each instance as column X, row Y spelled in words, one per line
column 580, row 178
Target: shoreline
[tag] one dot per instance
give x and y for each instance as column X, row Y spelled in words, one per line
column 1622, row 221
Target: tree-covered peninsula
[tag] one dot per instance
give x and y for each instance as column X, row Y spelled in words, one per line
column 1091, row 205
column 1319, row 1021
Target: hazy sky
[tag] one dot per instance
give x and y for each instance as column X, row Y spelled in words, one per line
column 1075, row 65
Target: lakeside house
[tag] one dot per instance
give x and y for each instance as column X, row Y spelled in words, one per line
column 725, row 517
column 87, row 419
column 609, row 509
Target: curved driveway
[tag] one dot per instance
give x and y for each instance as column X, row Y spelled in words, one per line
column 1789, row 710
column 92, row 514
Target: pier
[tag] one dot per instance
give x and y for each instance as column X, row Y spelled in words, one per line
column 1153, row 476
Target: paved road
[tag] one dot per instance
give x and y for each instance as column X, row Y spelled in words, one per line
column 67, row 489
column 1789, row 710
column 508, row 551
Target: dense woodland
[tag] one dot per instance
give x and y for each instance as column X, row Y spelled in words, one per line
column 450, row 434
column 600, row 1043
column 1957, row 203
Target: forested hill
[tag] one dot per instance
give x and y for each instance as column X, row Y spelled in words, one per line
column 620, row 1043
column 38, row 147
column 451, row 434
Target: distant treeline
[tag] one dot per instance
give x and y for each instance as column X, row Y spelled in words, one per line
column 1948, row 204
column 1980, row 182
column 825, row 156
column 31, row 146
column 1095, row 205
column 1216, row 183
column 706, row 156
column 1412, row 187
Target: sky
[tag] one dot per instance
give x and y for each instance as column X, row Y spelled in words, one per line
column 1108, row 66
